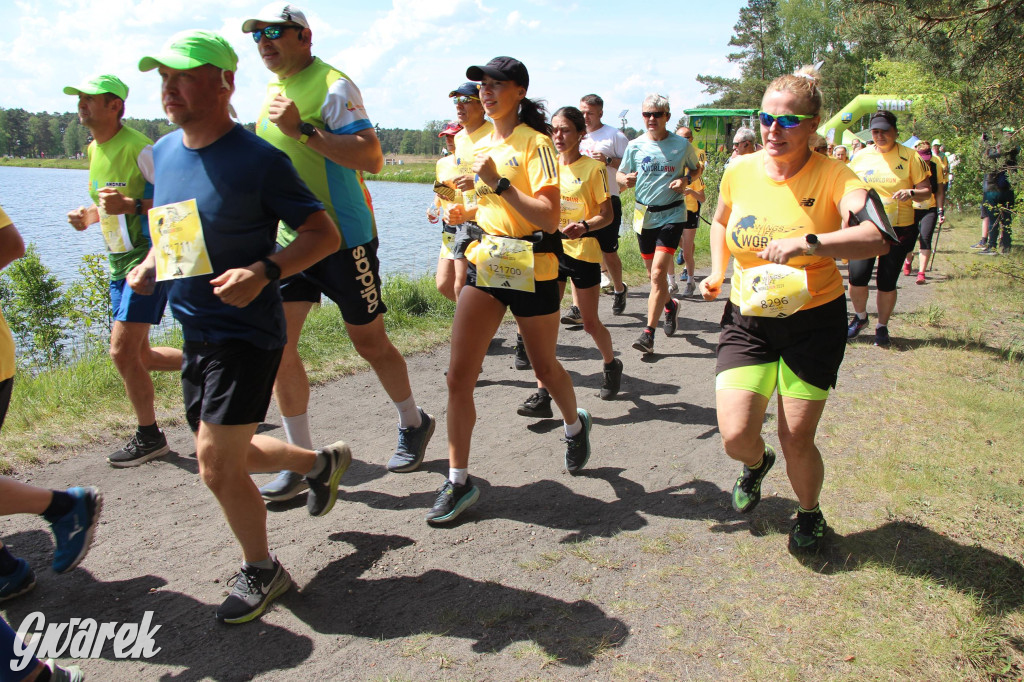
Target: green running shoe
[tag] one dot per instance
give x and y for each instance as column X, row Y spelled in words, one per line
column 747, row 491
column 808, row 533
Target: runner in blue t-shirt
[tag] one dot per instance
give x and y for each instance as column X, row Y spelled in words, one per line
column 238, row 187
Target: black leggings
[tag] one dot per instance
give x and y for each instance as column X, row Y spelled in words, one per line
column 926, row 220
column 889, row 266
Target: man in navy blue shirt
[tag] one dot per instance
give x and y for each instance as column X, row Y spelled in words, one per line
column 238, row 187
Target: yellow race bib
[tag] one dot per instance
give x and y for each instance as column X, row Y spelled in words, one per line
column 504, row 263
column 771, row 290
column 639, row 212
column 115, row 232
column 177, row 235
column 447, row 239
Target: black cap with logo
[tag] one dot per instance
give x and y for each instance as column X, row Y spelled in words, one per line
column 501, row 69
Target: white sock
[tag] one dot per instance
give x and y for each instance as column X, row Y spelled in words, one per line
column 296, row 430
column 862, row 316
column 458, row 476
column 878, row 326
column 408, row 414
column 574, row 428
column 621, row 292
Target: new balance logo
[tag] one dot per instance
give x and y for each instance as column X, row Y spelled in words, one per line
column 809, row 201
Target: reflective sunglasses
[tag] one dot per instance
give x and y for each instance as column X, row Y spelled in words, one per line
column 271, row 32
column 785, row 120
column 465, row 99
column 653, row 114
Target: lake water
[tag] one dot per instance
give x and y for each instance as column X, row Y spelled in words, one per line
column 38, row 199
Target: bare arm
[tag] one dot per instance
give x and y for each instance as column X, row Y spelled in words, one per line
column 711, row 286
column 603, row 218
column 12, row 246
column 358, row 151
column 542, row 209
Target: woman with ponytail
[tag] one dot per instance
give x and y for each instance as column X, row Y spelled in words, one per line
column 780, row 213
column 513, row 265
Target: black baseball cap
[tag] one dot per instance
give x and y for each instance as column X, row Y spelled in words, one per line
column 501, row 69
column 882, row 120
column 467, row 90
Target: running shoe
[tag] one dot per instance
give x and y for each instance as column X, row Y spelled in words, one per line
column 691, row 287
column 808, row 533
column 679, row 259
column 286, row 486
column 671, row 317
column 684, row 275
column 73, row 532
column 906, row 268
column 673, row 288
column 612, row 380
column 619, row 300
column 19, row 582
column 323, row 488
column 572, row 316
column 856, row 324
column 577, row 448
column 882, row 337
column 522, row 359
column 452, row 500
column 645, row 344
column 72, row 673
column 139, row 450
column 538, row 405
column 412, row 444
column 253, row 590
column 980, row 245
column 988, row 251
column 920, row 278
column 746, row 492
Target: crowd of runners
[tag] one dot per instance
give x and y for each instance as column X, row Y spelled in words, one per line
column 241, row 234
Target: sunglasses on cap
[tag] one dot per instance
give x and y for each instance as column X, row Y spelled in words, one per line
column 653, row 114
column 785, row 120
column 464, row 99
column 272, row 32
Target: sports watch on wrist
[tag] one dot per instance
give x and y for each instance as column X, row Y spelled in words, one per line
column 308, row 130
column 503, row 184
column 271, row 269
column 812, row 244
column 138, row 207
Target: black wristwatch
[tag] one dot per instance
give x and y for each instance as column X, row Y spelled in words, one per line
column 812, row 244
column 138, row 207
column 503, row 184
column 271, row 269
column 308, row 130
column 586, row 228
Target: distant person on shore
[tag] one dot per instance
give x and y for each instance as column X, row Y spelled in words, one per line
column 218, row 181
column 607, row 144
column 315, row 115
column 121, row 187
column 446, row 197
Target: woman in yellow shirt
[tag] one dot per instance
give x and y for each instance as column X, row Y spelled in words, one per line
column 513, row 266
column 779, row 213
column 586, row 208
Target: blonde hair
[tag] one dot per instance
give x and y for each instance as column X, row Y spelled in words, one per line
column 657, row 102
column 804, row 84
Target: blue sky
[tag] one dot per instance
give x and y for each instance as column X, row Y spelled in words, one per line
column 405, row 55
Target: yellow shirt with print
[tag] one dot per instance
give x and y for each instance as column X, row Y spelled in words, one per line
column 762, row 209
column 465, row 146
column 940, row 177
column 692, row 206
column 527, row 158
column 584, row 185
column 6, row 340
column 899, row 168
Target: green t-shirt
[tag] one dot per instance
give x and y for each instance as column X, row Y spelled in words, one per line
column 124, row 162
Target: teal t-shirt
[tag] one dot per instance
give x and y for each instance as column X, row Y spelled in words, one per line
column 657, row 164
column 330, row 101
column 124, row 162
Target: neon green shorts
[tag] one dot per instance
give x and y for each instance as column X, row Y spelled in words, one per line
column 764, row 379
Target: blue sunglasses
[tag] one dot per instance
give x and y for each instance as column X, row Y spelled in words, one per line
column 785, row 120
column 272, row 32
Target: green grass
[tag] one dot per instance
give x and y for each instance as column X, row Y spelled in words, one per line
column 76, row 164
column 410, row 172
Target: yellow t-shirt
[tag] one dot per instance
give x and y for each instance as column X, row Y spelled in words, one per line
column 697, row 185
column 900, row 168
column 528, row 159
column 445, row 171
column 465, row 146
column 763, row 209
column 940, row 179
column 6, row 340
column 584, row 185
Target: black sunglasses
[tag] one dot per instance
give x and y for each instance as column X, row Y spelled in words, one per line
column 272, row 32
column 653, row 114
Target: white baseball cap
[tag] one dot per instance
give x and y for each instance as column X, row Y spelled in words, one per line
column 276, row 13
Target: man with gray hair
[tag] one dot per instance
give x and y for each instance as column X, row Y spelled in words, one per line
column 744, row 142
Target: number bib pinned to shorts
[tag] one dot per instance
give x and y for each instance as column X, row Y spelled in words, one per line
column 447, row 240
column 504, row 263
column 115, row 232
column 771, row 290
column 177, row 235
column 639, row 213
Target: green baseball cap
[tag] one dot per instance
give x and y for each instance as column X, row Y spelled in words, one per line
column 189, row 49
column 97, row 85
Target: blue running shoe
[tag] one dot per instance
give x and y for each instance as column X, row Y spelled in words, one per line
column 73, row 532
column 17, row 583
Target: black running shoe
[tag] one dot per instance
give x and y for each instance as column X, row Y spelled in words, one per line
column 538, row 405
column 856, row 324
column 323, row 488
column 254, row 589
column 645, row 344
column 671, row 316
column 808, row 533
column 452, row 500
column 577, row 448
column 746, row 493
column 412, row 444
column 522, row 359
column 139, row 450
column 882, row 337
column 619, row 300
column 612, row 380
column 572, row 316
